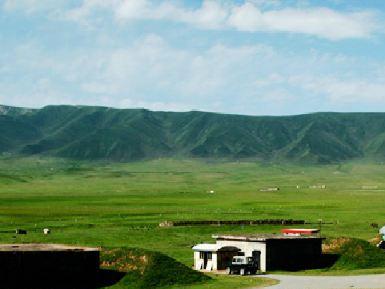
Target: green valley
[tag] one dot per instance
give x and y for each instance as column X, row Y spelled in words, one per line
column 114, row 205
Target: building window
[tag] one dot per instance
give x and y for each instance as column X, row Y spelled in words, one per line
column 206, row 255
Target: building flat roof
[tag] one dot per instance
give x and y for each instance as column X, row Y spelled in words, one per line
column 206, row 247
column 263, row 237
column 213, row 248
column 42, row 247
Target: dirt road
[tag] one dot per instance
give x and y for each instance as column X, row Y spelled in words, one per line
column 329, row 282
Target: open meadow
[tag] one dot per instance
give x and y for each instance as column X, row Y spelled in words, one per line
column 122, row 204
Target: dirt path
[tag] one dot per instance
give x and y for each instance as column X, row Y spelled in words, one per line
column 329, row 282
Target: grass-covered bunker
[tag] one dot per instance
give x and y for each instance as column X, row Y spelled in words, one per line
column 40, row 264
column 273, row 251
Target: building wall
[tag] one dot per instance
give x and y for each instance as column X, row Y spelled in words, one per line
column 293, row 254
column 247, row 248
column 215, row 261
column 198, row 261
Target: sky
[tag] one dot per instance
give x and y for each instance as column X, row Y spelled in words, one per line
column 255, row 57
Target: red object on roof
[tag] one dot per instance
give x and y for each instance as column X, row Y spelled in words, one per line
column 300, row 231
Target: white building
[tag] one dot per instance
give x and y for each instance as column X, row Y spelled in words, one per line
column 273, row 251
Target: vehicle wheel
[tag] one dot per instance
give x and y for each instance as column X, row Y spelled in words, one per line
column 242, row 272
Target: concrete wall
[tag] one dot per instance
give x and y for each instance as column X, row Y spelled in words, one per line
column 197, row 260
column 215, row 261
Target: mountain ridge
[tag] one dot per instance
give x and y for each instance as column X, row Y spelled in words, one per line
column 95, row 132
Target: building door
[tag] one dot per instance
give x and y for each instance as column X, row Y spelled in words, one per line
column 206, row 257
column 257, row 259
column 203, row 257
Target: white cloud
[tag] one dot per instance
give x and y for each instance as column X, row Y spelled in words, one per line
column 148, row 73
column 151, row 73
column 83, row 12
column 34, row 6
column 340, row 90
column 211, row 15
column 250, row 16
column 317, row 21
column 321, row 22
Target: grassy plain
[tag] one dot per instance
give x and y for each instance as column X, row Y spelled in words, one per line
column 121, row 204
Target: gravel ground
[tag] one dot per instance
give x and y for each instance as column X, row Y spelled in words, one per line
column 329, row 282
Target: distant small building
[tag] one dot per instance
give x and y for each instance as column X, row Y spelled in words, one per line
column 369, row 187
column 272, row 251
column 317, row 187
column 272, row 189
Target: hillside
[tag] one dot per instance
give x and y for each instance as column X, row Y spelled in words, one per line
column 149, row 270
column 92, row 133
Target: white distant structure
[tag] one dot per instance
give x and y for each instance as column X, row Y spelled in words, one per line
column 46, row 231
column 369, row 187
column 272, row 189
column 317, row 187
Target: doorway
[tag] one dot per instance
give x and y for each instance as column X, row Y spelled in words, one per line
column 257, row 259
column 225, row 256
column 207, row 258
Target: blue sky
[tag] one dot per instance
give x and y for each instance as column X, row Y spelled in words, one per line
column 257, row 57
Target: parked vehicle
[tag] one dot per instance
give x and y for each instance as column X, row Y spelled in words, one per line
column 243, row 265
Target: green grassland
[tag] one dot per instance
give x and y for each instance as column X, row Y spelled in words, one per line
column 121, row 204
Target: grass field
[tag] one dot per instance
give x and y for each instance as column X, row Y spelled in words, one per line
column 121, row 204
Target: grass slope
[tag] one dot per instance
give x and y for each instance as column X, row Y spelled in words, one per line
column 149, row 270
column 357, row 254
column 94, row 133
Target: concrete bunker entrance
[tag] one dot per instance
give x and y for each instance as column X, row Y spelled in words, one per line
column 225, row 256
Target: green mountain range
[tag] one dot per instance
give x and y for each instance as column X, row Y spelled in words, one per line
column 92, row 133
